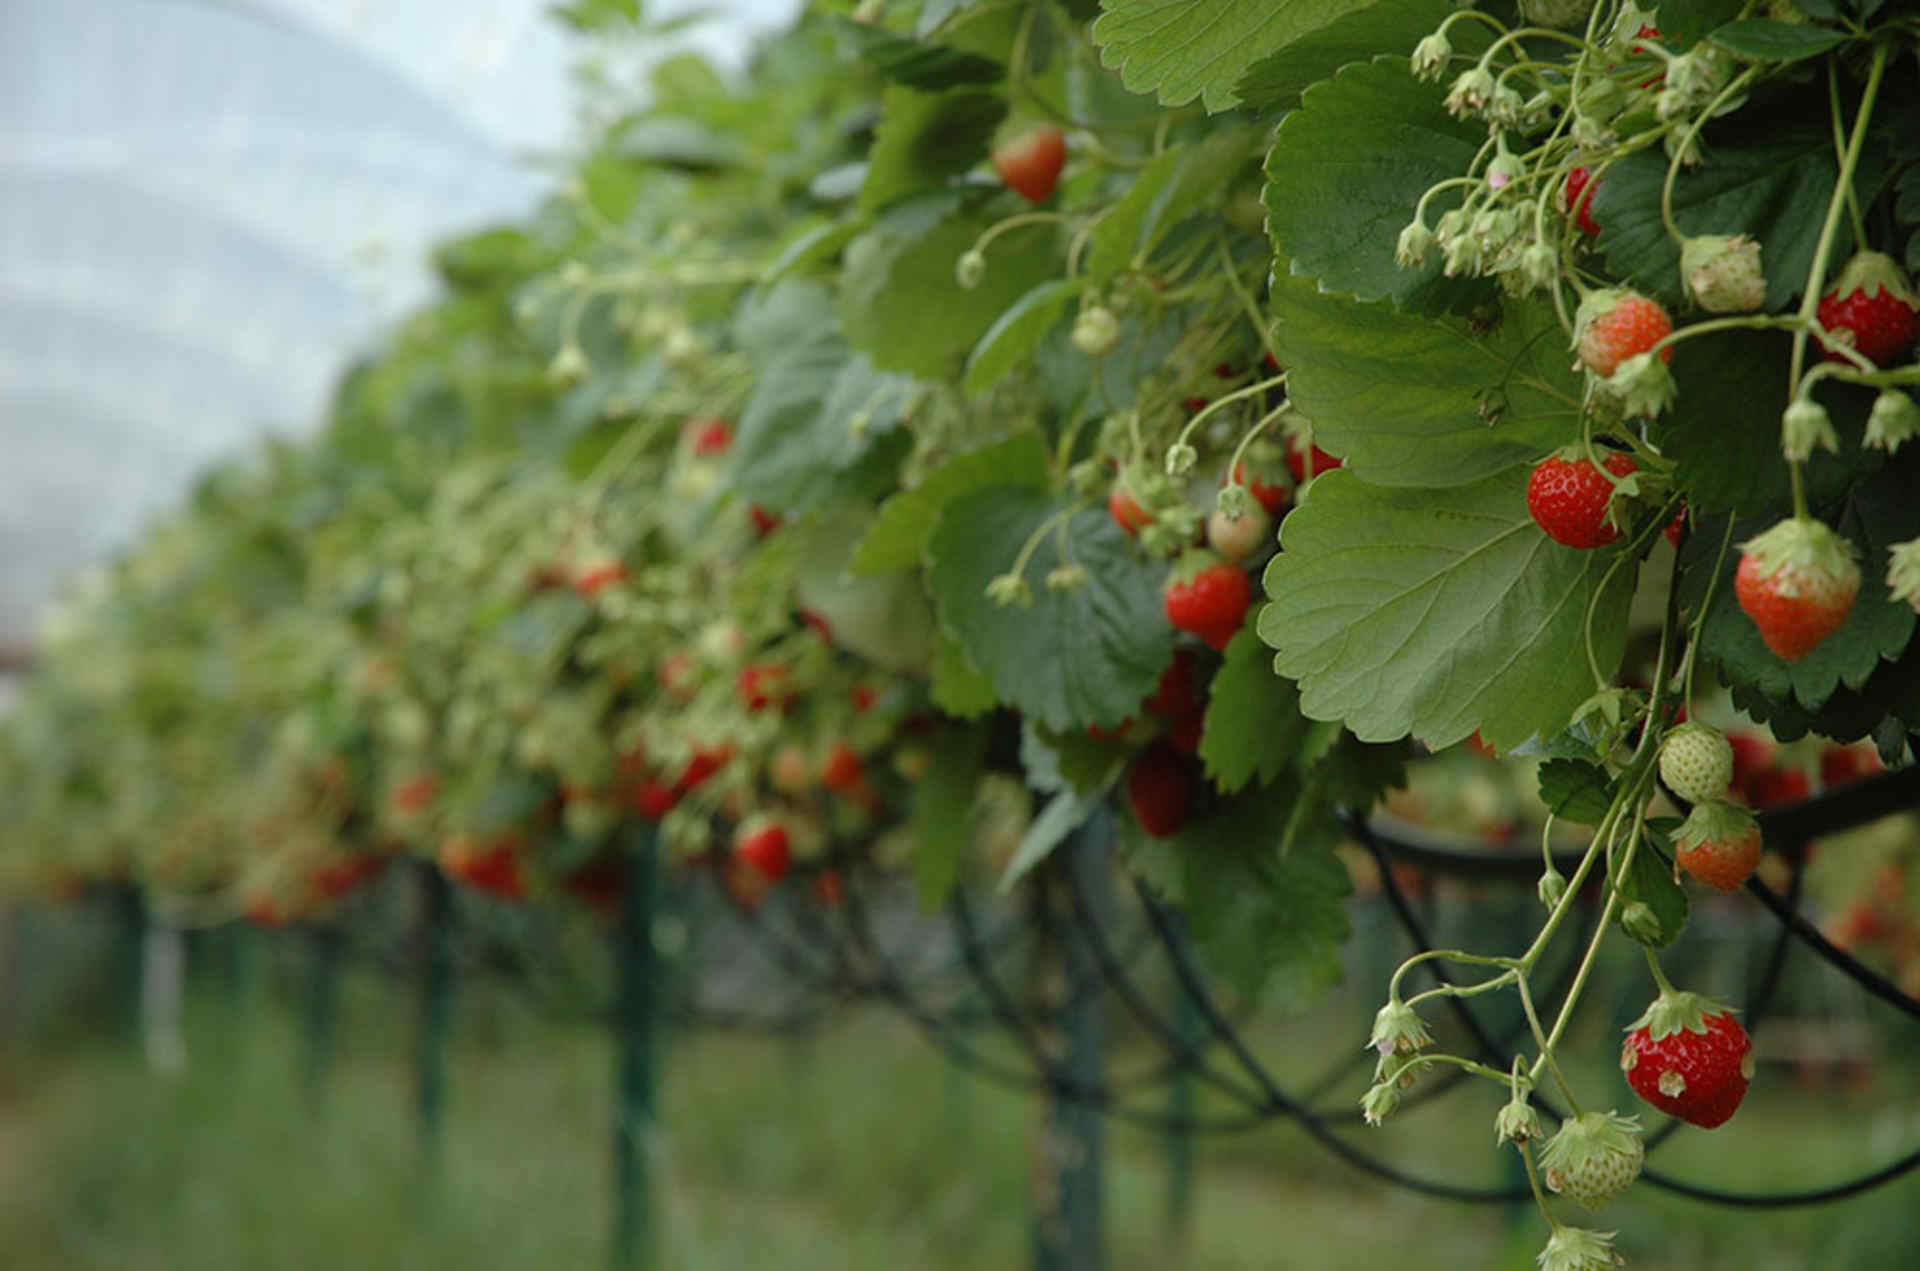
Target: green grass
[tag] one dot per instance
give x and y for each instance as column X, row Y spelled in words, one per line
column 858, row 1148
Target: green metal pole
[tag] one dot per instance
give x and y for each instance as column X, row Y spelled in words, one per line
column 131, row 908
column 323, row 1009
column 1069, row 1238
column 635, row 1237
column 436, row 1005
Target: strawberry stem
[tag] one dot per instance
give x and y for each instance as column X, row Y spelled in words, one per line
column 1823, row 252
column 1659, row 976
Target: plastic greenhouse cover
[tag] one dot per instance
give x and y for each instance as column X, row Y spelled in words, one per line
column 206, row 208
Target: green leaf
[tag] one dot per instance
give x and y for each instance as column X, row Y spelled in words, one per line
column 1013, row 335
column 1074, row 658
column 1764, row 40
column 899, row 535
column 676, row 143
column 774, row 318
column 1649, row 881
column 488, row 257
column 1408, row 400
column 1575, row 791
column 1066, row 812
column 1437, row 612
column 1183, row 49
column 1684, row 23
column 929, row 67
column 1074, row 761
column 1346, row 172
column 1880, row 513
column 885, row 619
column 821, row 426
column 943, row 810
column 958, row 687
column 924, row 138
column 1262, row 917
column 1769, row 179
column 899, row 301
column 1391, row 26
column 818, row 243
column 1175, row 185
column 1253, row 727
column 1722, row 397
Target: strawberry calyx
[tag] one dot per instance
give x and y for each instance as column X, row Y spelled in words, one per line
column 1797, row 549
column 1715, row 822
column 1676, row 1010
column 1872, row 273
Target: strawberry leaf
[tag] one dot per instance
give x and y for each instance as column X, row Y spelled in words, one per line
column 1171, row 188
column 1575, row 791
column 1346, row 172
column 1183, row 49
column 1408, row 400
column 1262, row 917
column 943, row 810
column 924, row 138
column 1438, row 612
column 958, row 687
column 1084, row 656
column 1393, row 26
column 929, row 67
column 1649, row 881
column 1253, row 726
column 899, row 535
column 899, row 300
column 821, row 425
column 1013, row 335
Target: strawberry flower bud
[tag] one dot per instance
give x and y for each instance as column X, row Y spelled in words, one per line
column 1903, row 572
column 1516, row 1123
column 1578, row 1249
column 1723, row 273
column 1431, row 55
column 1804, row 428
column 1639, row 921
column 1180, row 459
column 1470, row 92
column 1010, row 590
column 1539, row 266
column 1064, row 578
column 1643, row 386
column 569, row 366
column 1553, row 886
column 1894, row 420
column 1379, row 1102
column 1414, row 247
column 970, row 268
column 1398, row 1029
column 1506, row 106
column 1233, row 501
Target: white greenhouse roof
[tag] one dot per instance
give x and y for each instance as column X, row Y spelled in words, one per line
column 206, row 208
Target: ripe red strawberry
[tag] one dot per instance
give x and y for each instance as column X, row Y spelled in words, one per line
column 1872, row 307
column 1306, row 460
column 416, row 792
column 652, row 798
column 1208, row 597
column 1030, row 162
column 1569, row 497
column 1689, row 1057
column 764, row 522
column 1183, row 734
column 762, row 843
column 1778, row 787
column 1581, row 187
column 706, row 761
column 1844, row 765
column 600, row 574
column 1160, row 790
column 1614, row 324
column 1797, row 582
column 1178, row 692
column 1719, row 844
column 709, row 436
column 1126, row 510
column 789, row 772
column 863, row 697
column 492, row 868
column 842, row 770
column 1273, row 495
column 1677, row 527
column 763, row 684
column 342, row 874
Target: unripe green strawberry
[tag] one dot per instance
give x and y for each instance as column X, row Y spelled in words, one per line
column 1614, row 324
column 1719, row 844
column 1689, row 1057
column 1696, row 762
column 1593, row 1158
column 1563, row 13
column 1797, row 581
column 1723, row 274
